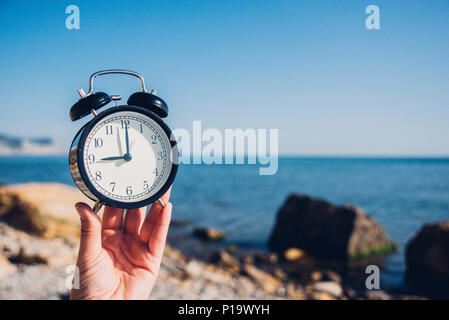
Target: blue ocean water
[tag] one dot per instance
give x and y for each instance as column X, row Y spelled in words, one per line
column 401, row 194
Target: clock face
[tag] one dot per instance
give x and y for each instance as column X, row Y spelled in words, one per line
column 127, row 156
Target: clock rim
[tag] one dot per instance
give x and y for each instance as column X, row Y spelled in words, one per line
column 82, row 170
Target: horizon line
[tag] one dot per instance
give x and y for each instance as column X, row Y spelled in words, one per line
column 287, row 155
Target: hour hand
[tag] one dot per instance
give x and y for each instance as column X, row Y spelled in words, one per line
column 114, row 158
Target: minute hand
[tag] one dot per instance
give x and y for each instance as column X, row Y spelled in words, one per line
column 127, row 139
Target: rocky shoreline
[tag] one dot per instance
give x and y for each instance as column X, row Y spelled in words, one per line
column 38, row 242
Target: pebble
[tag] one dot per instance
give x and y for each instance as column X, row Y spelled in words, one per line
column 330, row 287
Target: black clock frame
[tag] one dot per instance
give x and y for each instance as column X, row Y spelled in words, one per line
column 78, row 171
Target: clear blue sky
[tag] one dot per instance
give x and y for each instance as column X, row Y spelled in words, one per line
column 309, row 68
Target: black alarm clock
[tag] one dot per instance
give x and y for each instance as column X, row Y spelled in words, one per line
column 125, row 156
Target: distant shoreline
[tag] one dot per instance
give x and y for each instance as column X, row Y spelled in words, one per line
column 286, row 157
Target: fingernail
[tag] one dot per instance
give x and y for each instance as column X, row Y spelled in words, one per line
column 80, row 211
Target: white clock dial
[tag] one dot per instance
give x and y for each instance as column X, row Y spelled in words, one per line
column 127, row 156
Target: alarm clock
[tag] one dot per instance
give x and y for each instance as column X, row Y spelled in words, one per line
column 125, row 156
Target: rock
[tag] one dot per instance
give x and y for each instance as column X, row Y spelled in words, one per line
column 280, row 274
column 327, row 231
column 377, row 295
column 321, row 296
column 266, row 258
column 293, row 254
column 225, row 260
column 316, row 276
column 351, row 293
column 248, row 259
column 265, row 280
column 330, row 287
column 194, row 268
column 427, row 258
column 330, row 275
column 22, row 248
column 6, row 267
column 43, row 209
column 209, row 234
column 232, row 249
column 410, row 297
column 172, row 252
column 295, row 291
column 53, row 252
column 38, row 282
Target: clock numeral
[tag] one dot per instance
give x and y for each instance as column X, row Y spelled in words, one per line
column 141, row 128
column 125, row 123
column 145, row 185
column 129, row 191
column 156, row 172
column 153, row 139
column 112, row 184
column 98, row 142
column 160, row 155
column 109, row 130
column 98, row 175
column 91, row 158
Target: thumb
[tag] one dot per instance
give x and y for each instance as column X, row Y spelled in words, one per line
column 90, row 241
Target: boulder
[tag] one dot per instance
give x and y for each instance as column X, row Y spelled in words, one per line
column 427, row 257
column 43, row 209
column 209, row 234
column 327, row 231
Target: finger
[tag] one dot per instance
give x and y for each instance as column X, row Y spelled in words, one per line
column 112, row 218
column 134, row 219
column 154, row 212
column 158, row 236
column 90, row 240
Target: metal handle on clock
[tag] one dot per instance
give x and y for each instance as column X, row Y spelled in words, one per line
column 115, row 71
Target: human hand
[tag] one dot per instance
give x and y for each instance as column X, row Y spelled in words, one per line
column 116, row 264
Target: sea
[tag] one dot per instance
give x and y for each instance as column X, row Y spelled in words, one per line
column 400, row 193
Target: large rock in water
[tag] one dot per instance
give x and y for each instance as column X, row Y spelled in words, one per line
column 43, row 209
column 427, row 258
column 327, row 231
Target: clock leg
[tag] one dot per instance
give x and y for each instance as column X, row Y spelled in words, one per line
column 161, row 203
column 97, row 206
